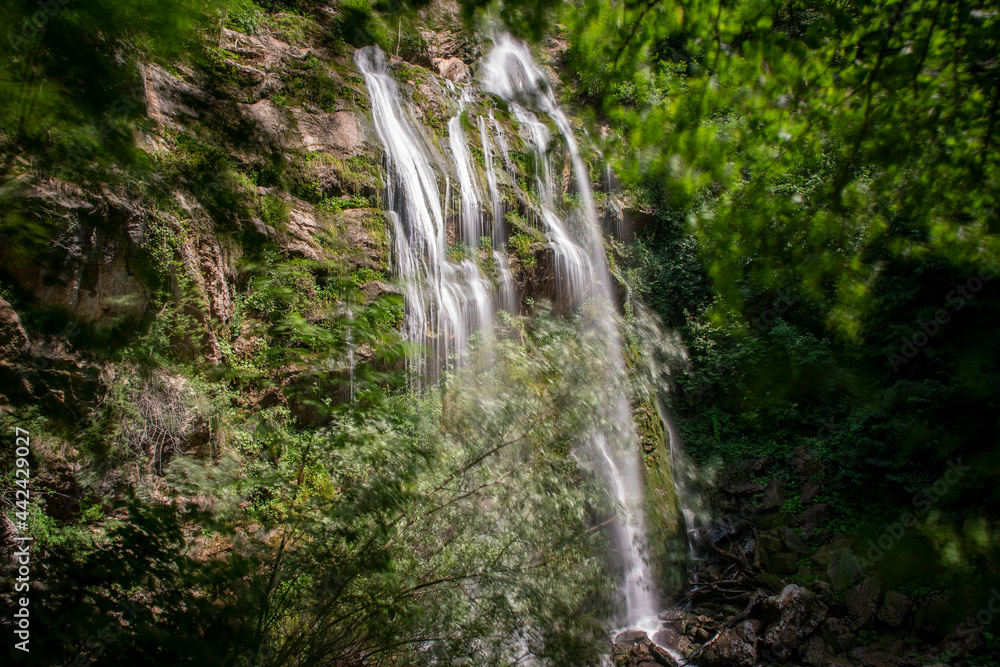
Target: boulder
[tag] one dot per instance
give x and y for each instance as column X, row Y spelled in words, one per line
column 774, row 499
column 842, row 568
column 815, row 651
column 894, row 608
column 757, row 465
column 452, row 69
column 794, row 613
column 863, row 601
column 793, row 541
column 809, row 492
column 633, row 648
column 736, row 647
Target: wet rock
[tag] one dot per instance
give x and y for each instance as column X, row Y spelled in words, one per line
column 894, row 609
column 774, row 498
column 727, row 526
column 13, row 339
column 736, row 647
column 863, row 601
column 794, row 541
column 842, row 569
column 794, row 613
column 630, row 637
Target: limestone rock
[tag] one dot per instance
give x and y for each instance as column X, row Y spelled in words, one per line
column 452, row 69
column 339, row 132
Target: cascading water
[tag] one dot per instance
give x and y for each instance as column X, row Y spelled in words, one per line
column 445, row 301
column 448, row 298
column 510, row 72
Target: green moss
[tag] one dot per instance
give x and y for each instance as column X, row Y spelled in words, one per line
column 663, row 515
column 358, row 175
column 312, row 83
column 274, row 211
column 293, row 28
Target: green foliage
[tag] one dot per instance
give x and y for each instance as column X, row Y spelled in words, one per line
column 523, row 246
column 274, row 210
column 72, row 93
column 792, row 134
column 460, row 251
column 245, row 16
column 338, row 204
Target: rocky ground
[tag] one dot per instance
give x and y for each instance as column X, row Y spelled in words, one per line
column 783, row 589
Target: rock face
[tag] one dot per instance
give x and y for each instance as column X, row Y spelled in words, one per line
column 81, row 266
column 339, row 132
column 13, row 339
column 736, row 647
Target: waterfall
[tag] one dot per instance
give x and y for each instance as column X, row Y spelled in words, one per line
column 511, row 73
column 444, row 301
column 448, row 298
